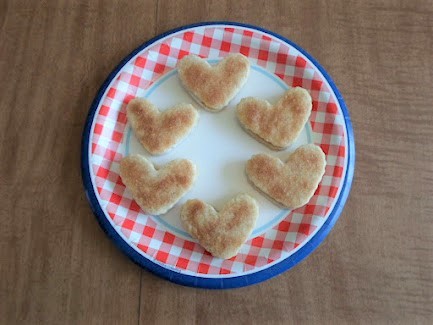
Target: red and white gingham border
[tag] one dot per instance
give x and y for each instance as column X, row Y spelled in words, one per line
column 151, row 239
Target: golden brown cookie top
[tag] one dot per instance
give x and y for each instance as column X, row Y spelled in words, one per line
column 221, row 233
column 214, row 85
column 157, row 190
column 158, row 131
column 276, row 125
column 293, row 183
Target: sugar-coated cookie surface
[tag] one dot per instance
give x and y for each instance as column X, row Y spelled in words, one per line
column 293, row 183
column 214, row 85
column 158, row 131
column 157, row 190
column 276, row 125
column 221, row 233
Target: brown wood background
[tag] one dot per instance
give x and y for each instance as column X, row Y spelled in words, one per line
column 56, row 264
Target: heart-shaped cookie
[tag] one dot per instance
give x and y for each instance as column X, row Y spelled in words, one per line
column 291, row 184
column 279, row 125
column 157, row 190
column 158, row 131
column 214, row 86
column 221, row 233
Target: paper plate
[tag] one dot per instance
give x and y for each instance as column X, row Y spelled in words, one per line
column 220, row 148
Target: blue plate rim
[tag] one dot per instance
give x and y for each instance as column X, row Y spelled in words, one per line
column 197, row 281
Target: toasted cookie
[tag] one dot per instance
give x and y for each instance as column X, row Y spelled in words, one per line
column 221, row 233
column 214, row 86
column 293, row 183
column 157, row 190
column 158, row 131
column 279, row 125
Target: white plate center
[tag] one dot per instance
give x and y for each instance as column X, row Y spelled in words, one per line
column 219, row 147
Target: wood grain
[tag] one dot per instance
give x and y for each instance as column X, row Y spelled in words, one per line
column 56, row 265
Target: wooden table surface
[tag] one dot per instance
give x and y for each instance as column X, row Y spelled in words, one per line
column 57, row 265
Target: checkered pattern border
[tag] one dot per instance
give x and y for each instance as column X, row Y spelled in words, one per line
column 152, row 239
